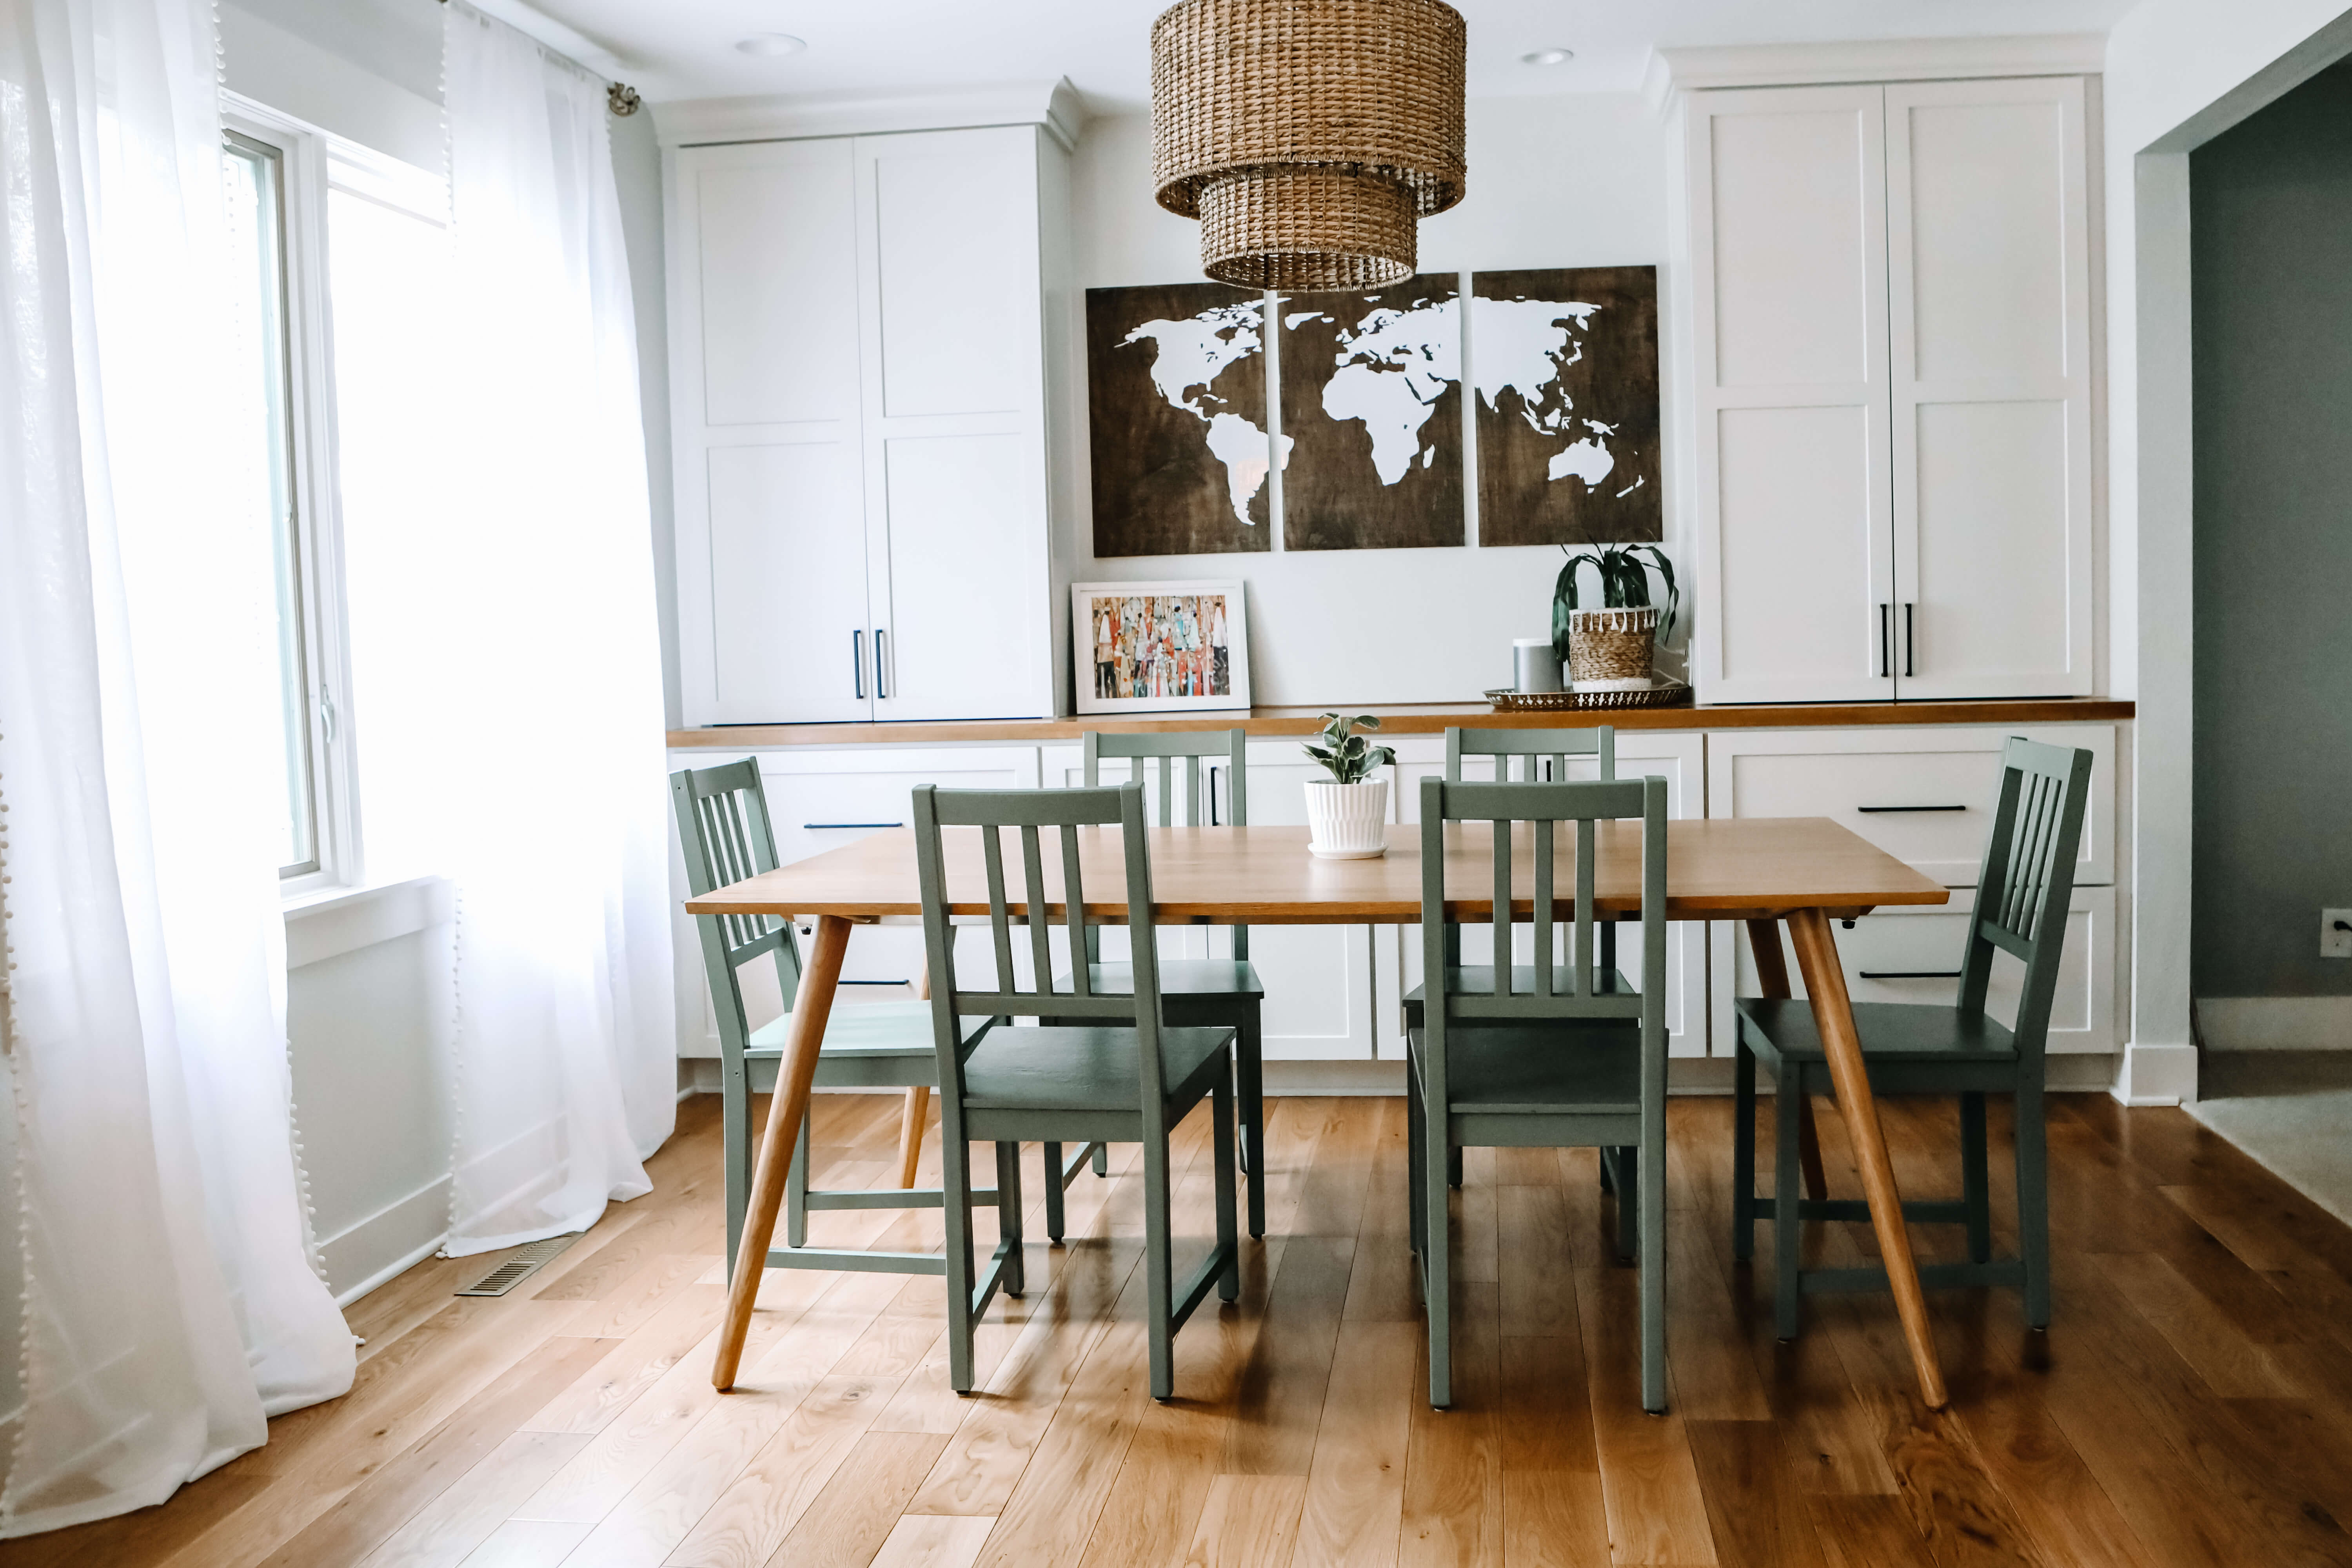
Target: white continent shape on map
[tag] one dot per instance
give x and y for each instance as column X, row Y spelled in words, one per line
column 1187, row 357
column 1521, row 346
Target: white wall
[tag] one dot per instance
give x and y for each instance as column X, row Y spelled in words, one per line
column 1554, row 182
column 2177, row 72
column 299, row 76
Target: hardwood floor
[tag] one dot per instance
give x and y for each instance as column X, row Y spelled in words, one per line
column 2192, row 1405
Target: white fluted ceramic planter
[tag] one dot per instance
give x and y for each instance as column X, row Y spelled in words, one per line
column 1348, row 821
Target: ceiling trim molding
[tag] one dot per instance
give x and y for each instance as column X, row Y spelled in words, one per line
column 703, row 122
column 1672, row 71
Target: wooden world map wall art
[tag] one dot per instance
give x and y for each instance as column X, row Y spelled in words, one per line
column 1566, row 363
column 1176, row 401
column 1371, row 400
column 1562, row 365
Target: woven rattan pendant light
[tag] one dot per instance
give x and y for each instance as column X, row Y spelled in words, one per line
column 1308, row 136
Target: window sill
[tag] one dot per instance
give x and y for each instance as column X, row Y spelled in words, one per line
column 337, row 921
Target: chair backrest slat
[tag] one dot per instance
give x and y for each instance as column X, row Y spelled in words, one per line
column 1542, row 753
column 2027, row 880
column 1543, row 921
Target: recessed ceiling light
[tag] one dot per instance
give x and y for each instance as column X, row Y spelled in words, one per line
column 1541, row 57
column 770, row 45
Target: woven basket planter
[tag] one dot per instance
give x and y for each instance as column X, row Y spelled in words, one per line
column 1612, row 649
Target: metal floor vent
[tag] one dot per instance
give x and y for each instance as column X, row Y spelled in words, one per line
column 520, row 1264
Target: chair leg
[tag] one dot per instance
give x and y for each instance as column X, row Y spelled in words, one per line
column 1053, row 1226
column 1415, row 1155
column 796, row 1186
column 1743, row 1153
column 1975, row 1183
column 1102, row 1160
column 955, row 1182
column 1628, row 1204
column 1008, row 1214
column 1159, row 1305
column 735, row 1144
column 1437, row 1270
column 1220, row 1115
column 2033, row 1204
column 1788, row 1102
column 1250, row 1068
column 1453, row 1166
column 1652, row 1204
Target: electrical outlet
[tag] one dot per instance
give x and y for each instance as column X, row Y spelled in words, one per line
column 2335, row 933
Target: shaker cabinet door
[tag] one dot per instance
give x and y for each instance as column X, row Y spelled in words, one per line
column 1788, row 222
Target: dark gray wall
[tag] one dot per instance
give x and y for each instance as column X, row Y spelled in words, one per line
column 2272, row 236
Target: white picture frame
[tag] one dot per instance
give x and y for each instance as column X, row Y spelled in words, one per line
column 1162, row 639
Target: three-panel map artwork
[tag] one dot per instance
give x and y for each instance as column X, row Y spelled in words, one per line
column 1206, row 402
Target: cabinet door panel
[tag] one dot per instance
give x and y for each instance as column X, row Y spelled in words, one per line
column 787, row 584
column 1319, row 979
column 1913, row 955
column 957, row 610
column 778, row 262
column 958, row 276
column 1988, row 253
column 1788, row 278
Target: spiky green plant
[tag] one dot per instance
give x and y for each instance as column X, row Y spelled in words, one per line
column 1624, row 584
column 1348, row 756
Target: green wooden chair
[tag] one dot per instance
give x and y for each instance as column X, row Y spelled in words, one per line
column 1216, row 993
column 1542, row 757
column 1572, row 1059
column 726, row 836
column 1115, row 1072
column 2022, row 893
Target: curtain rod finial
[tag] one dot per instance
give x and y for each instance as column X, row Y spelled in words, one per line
column 623, row 99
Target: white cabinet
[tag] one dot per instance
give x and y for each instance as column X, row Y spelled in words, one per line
column 1891, row 362
column 1679, row 758
column 858, row 419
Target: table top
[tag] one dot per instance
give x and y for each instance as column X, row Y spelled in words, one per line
column 1731, row 868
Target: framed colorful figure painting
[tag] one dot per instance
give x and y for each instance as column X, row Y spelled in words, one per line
column 1159, row 648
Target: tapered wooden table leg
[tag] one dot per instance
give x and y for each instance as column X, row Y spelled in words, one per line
column 1834, row 1016
column 918, row 1102
column 1772, row 979
column 786, row 1110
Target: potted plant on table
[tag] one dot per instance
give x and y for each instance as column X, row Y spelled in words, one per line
column 1346, row 817
column 1613, row 648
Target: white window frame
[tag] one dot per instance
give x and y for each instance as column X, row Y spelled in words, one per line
column 304, row 154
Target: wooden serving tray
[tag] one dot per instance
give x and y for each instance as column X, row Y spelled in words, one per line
column 1664, row 693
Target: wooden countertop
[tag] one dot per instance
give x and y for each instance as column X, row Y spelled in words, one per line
column 1423, row 719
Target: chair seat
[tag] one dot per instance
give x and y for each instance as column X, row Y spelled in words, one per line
column 1178, row 977
column 860, row 1029
column 1514, row 1069
column 1478, row 980
column 1909, row 1031
column 1060, row 1068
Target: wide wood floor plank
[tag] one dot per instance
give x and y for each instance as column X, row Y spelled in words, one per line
column 1453, row 1465
column 1248, row 1522
column 1353, row 1505
column 847, row 1522
column 1657, row 1515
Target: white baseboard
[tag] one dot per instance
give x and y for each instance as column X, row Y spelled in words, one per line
column 1346, row 1079
column 2155, row 1075
column 2276, row 1023
column 363, row 1256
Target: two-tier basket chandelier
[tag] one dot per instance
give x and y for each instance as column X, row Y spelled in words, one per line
column 1309, row 137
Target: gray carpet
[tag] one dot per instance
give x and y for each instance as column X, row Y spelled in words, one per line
column 2291, row 1110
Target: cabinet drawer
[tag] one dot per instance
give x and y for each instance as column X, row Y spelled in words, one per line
column 1913, row 955
column 1898, row 788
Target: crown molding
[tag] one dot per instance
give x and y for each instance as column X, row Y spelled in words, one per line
column 1671, row 72
column 702, row 121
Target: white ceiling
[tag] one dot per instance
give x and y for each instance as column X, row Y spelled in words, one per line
column 685, row 48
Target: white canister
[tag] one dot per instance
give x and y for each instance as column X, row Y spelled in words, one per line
column 1348, row 821
column 1535, row 664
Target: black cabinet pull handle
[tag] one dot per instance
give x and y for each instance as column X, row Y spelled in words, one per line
column 1885, row 613
column 819, row 827
column 1909, row 974
column 1906, row 641
column 1868, row 809
column 857, row 662
column 873, row 983
column 881, row 665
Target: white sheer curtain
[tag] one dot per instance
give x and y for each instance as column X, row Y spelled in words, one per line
column 168, row 1294
column 547, row 663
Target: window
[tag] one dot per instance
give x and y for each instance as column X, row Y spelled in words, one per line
column 279, row 315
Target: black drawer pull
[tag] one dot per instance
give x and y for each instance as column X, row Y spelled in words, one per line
column 814, row 827
column 1892, row 974
column 848, row 982
column 1878, row 808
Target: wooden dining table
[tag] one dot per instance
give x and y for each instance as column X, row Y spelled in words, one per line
column 1805, row 871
